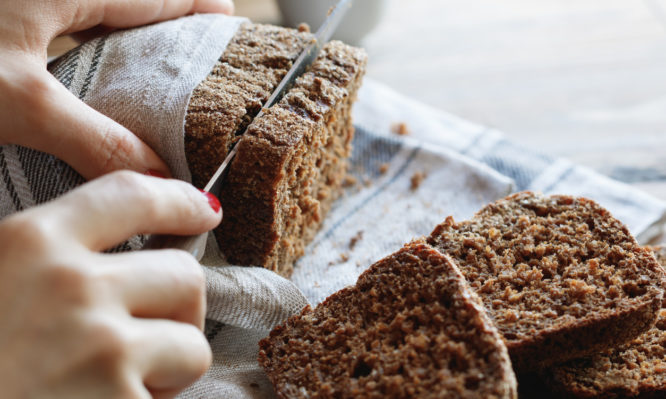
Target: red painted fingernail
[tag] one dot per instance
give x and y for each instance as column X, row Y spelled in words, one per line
column 155, row 173
column 212, row 201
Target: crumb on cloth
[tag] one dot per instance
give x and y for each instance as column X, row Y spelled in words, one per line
column 383, row 168
column 416, row 180
column 400, row 129
column 349, row 181
column 354, row 240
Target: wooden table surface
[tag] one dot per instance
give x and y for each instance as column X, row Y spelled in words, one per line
column 582, row 79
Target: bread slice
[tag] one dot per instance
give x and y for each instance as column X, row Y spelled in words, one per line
column 634, row 370
column 409, row 328
column 292, row 160
column 560, row 277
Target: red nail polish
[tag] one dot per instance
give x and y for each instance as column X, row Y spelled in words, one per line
column 212, row 201
column 155, row 173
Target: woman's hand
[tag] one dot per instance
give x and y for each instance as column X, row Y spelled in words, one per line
column 77, row 323
column 37, row 111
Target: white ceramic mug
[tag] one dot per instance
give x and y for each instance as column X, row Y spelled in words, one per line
column 360, row 19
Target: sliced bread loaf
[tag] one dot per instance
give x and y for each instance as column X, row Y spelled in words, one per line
column 409, row 328
column 292, row 161
column 634, row 370
column 224, row 103
column 560, row 277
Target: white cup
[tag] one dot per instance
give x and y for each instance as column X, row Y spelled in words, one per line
column 363, row 16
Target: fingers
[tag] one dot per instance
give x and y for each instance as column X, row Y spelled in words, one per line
column 53, row 120
column 170, row 355
column 167, row 284
column 108, row 210
column 129, row 13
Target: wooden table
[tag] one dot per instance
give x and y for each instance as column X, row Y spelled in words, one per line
column 583, row 79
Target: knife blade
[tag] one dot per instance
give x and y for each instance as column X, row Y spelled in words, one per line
column 196, row 244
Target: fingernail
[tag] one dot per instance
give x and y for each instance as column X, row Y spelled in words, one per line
column 154, row 173
column 212, row 201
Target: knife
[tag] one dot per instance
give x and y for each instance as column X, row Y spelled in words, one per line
column 197, row 244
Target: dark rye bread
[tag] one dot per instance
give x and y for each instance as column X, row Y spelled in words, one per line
column 223, row 104
column 292, row 160
column 560, row 277
column 409, row 328
column 634, row 370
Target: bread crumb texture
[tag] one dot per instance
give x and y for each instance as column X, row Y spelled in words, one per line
column 409, row 328
column 637, row 369
column 560, row 277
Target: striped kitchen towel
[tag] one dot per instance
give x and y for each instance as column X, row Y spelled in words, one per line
column 404, row 186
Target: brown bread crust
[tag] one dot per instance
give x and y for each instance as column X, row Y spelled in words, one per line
column 634, row 370
column 560, row 277
column 409, row 328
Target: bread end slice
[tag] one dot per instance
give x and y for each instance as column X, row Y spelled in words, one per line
column 409, row 328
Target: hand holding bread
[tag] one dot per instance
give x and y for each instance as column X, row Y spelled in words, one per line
column 38, row 112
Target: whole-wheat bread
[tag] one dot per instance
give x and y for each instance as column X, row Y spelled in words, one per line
column 634, row 370
column 292, row 160
column 409, row 328
column 560, row 277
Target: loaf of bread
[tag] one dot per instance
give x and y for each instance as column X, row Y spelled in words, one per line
column 634, row 370
column 409, row 328
column 559, row 276
column 292, row 160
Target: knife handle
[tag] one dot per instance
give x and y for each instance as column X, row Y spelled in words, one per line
column 195, row 245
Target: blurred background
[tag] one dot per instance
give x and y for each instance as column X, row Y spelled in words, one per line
column 582, row 79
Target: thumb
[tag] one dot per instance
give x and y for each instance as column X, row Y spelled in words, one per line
column 59, row 123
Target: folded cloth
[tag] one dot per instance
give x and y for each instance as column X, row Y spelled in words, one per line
column 143, row 79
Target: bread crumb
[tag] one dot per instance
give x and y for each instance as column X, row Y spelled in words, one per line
column 416, row 180
column 344, row 257
column 349, row 181
column 303, row 27
column 400, row 129
column 354, row 240
column 383, row 168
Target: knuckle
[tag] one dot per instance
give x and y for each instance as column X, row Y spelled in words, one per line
column 199, row 353
column 192, row 206
column 35, row 233
column 134, row 186
column 190, row 273
column 125, row 179
column 129, row 391
column 69, row 282
column 109, row 343
column 203, row 357
column 115, row 148
column 38, row 91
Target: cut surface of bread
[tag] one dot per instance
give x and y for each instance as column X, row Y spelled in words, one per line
column 409, row 328
column 560, row 277
column 634, row 370
column 223, row 104
column 292, row 160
